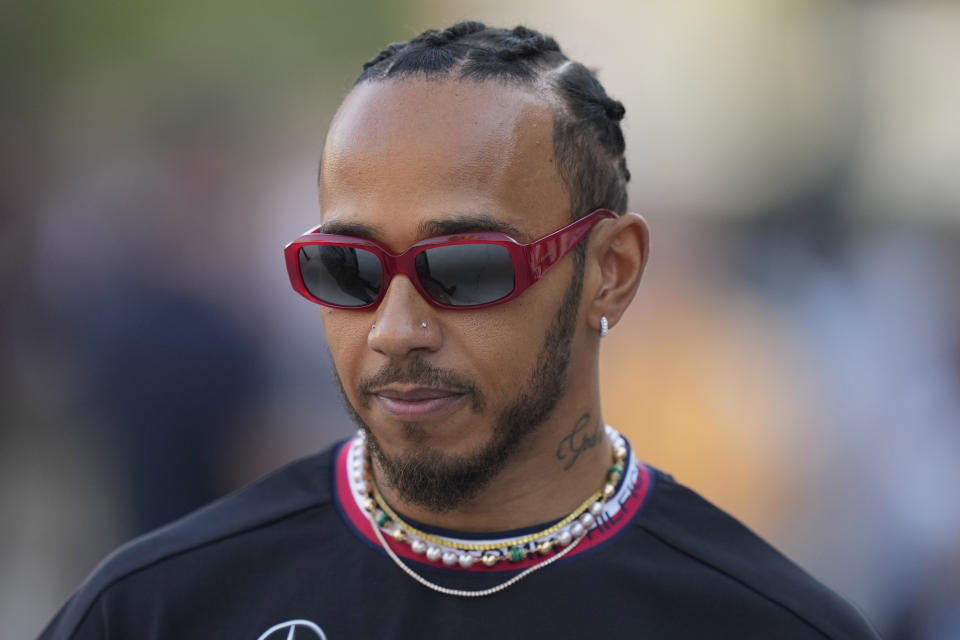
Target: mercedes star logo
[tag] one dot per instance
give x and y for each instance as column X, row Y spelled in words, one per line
column 289, row 631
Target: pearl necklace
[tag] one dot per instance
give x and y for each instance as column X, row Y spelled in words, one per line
column 549, row 545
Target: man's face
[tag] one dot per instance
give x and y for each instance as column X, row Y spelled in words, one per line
column 446, row 404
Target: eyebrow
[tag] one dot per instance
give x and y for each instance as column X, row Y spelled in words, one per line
column 468, row 223
column 353, row 229
column 429, row 228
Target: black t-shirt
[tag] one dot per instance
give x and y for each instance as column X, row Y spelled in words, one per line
column 293, row 557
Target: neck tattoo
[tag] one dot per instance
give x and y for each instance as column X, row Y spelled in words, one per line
column 578, row 441
column 545, row 546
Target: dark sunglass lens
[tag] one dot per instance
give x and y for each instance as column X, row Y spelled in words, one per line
column 466, row 274
column 343, row 276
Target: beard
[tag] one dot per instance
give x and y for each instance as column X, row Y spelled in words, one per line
column 441, row 482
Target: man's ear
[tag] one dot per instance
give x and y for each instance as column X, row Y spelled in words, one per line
column 616, row 258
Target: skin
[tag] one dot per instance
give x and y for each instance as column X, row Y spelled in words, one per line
column 403, row 157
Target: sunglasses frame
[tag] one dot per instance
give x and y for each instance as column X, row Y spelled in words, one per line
column 530, row 261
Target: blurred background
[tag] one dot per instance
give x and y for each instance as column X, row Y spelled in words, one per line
column 793, row 353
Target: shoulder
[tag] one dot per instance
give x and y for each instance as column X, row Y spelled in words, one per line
column 300, row 486
column 680, row 518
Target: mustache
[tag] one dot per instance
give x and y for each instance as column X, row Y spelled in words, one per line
column 419, row 372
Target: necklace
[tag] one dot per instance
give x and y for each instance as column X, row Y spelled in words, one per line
column 547, row 545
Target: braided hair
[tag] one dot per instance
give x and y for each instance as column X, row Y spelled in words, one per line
column 587, row 138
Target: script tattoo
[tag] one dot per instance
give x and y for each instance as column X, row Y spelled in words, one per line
column 576, row 442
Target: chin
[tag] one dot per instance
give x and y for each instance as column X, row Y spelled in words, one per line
column 440, row 441
column 432, row 476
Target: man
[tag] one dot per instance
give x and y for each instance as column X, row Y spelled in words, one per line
column 474, row 251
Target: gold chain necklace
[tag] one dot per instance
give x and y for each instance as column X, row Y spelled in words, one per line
column 592, row 501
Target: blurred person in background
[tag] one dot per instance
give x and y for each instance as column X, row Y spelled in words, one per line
column 483, row 495
column 166, row 366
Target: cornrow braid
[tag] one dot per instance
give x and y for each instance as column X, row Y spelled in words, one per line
column 587, row 138
column 389, row 52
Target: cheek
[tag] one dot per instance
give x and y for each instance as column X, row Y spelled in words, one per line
column 503, row 342
column 346, row 334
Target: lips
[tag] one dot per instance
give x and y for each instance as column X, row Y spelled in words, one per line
column 416, row 403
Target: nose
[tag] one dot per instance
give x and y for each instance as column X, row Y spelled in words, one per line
column 398, row 328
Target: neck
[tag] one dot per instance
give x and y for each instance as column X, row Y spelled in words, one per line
column 552, row 471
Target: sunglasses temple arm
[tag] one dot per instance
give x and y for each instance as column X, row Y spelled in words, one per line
column 548, row 251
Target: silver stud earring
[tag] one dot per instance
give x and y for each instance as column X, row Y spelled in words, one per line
column 423, row 324
column 373, row 327
column 604, row 326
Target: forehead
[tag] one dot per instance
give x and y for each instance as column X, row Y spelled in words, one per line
column 401, row 155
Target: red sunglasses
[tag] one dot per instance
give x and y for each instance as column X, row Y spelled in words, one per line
column 460, row 271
